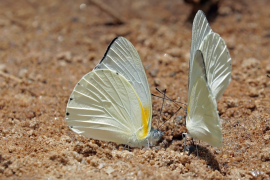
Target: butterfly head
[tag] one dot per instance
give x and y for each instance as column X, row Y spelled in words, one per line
column 155, row 135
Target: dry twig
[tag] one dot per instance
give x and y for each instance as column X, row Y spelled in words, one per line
column 9, row 76
column 109, row 10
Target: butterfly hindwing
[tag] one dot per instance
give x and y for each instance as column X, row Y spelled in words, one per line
column 202, row 115
column 202, row 118
column 104, row 106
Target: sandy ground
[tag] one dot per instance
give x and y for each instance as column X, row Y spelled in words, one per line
column 47, row 46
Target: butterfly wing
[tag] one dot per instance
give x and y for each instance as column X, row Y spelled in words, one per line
column 104, row 106
column 217, row 63
column 122, row 57
column 202, row 115
column 198, row 69
column 200, row 29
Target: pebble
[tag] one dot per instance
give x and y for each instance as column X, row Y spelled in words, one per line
column 154, row 72
column 175, row 52
column 224, row 11
column 64, row 56
column 157, row 81
column 230, row 42
column 268, row 68
column 109, row 170
column 178, row 119
column 253, row 92
column 22, row 73
column 3, row 67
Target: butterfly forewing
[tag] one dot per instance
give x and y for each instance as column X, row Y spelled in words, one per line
column 123, row 58
column 200, row 29
column 217, row 64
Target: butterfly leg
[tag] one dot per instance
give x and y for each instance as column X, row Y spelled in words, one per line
column 126, row 146
column 197, row 150
column 154, row 146
column 165, row 144
column 184, row 140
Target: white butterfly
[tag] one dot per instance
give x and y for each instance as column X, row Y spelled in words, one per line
column 209, row 75
column 113, row 102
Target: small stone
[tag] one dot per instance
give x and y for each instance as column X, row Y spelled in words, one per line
column 224, row 11
column 251, row 67
column 255, row 173
column 109, row 170
column 261, row 93
column 251, row 63
column 91, row 56
column 166, row 59
column 231, row 102
column 4, row 22
column 268, row 68
column 266, row 137
column 230, row 42
column 65, row 56
column 175, row 52
column 172, row 74
column 187, row 55
column 122, row 31
column 218, row 151
column 3, row 67
column 154, row 72
column 238, row 17
column 30, row 133
column 253, row 92
column 77, row 59
column 156, row 81
column 178, row 119
column 8, row 172
column 22, row 73
column 62, row 63
column 11, row 149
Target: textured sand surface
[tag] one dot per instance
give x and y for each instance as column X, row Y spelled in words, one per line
column 47, row 46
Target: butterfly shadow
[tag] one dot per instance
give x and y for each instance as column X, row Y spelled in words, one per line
column 205, row 154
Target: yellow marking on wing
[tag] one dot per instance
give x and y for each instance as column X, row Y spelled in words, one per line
column 188, row 112
column 145, row 116
column 147, row 112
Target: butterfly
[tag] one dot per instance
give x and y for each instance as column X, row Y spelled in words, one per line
column 113, row 101
column 209, row 75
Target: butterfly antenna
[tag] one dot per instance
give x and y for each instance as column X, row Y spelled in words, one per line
column 170, row 117
column 167, row 98
column 161, row 107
